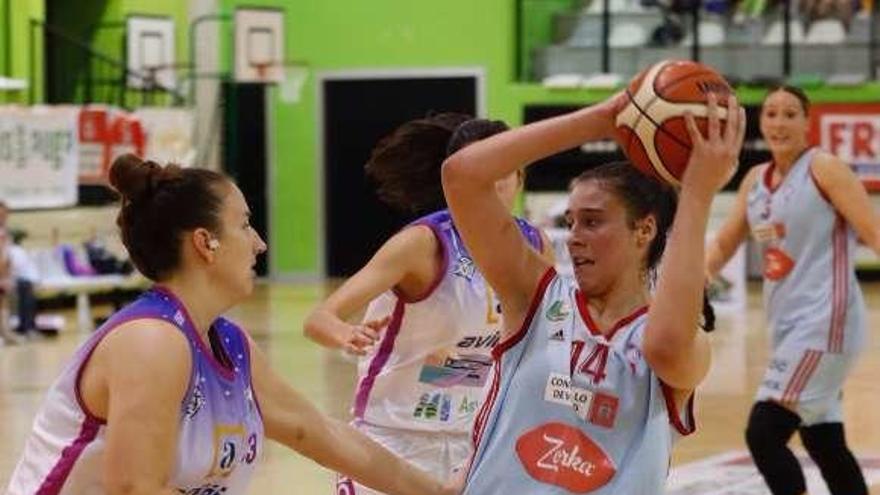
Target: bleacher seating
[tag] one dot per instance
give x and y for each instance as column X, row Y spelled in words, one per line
column 748, row 50
column 859, row 29
column 826, row 32
column 627, row 35
column 775, row 34
column 614, row 6
column 711, row 34
column 49, row 229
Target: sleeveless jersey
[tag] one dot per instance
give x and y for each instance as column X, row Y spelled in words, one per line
column 220, row 433
column 428, row 371
column 810, row 289
column 571, row 410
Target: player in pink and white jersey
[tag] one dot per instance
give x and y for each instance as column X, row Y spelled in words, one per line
column 432, row 320
column 167, row 397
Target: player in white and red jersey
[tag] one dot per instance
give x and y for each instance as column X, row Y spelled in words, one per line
column 594, row 376
column 804, row 209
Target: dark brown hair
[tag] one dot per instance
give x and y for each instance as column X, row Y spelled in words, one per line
column 794, row 91
column 643, row 196
column 160, row 204
column 405, row 165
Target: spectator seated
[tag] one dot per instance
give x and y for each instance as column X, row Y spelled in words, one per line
column 64, row 266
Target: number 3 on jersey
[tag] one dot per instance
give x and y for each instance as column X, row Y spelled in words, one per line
column 230, row 447
column 493, row 307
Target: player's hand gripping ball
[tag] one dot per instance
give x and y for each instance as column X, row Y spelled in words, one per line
column 650, row 123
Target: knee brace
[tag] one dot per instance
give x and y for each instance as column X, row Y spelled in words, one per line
column 826, row 444
column 769, row 430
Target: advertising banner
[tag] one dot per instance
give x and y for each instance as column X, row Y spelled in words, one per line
column 39, row 156
column 852, row 132
column 94, row 136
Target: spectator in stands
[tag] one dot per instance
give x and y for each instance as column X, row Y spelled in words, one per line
column 5, row 287
column 814, row 10
column 24, row 277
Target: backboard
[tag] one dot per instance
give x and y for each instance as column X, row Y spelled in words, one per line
column 259, row 45
column 150, row 51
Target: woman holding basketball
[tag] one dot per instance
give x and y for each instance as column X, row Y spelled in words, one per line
column 805, row 209
column 594, row 377
column 432, row 320
column 169, row 397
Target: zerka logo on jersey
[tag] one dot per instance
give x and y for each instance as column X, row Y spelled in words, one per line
column 561, row 455
column 777, row 263
column 558, row 311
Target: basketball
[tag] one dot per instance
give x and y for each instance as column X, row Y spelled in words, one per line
column 651, row 127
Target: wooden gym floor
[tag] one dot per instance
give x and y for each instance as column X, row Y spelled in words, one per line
column 274, row 316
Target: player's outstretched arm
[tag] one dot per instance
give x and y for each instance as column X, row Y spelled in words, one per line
column 490, row 233
column 734, row 231
column 408, row 261
column 672, row 345
column 293, row 421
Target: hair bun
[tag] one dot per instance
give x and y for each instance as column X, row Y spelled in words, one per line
column 132, row 177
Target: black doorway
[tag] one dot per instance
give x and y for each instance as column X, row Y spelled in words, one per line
column 245, row 156
column 357, row 113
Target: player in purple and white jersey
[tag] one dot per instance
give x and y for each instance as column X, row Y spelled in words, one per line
column 168, row 397
column 432, row 321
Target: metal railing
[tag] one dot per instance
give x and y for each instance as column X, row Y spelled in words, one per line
column 74, row 72
column 578, row 36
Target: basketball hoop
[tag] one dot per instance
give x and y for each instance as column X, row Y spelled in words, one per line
column 262, row 70
column 293, row 80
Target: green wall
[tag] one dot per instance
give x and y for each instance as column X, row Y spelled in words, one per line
column 106, row 30
column 536, row 28
column 21, row 11
column 79, row 20
column 349, row 35
column 118, row 10
column 4, row 6
column 83, row 20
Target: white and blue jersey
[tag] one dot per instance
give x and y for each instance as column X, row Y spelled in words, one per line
column 220, row 434
column 815, row 308
column 571, row 410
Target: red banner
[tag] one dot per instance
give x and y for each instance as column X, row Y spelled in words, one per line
column 126, row 135
column 104, row 134
column 93, row 139
column 852, row 132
